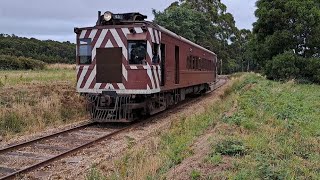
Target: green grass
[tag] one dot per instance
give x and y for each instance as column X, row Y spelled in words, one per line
column 270, row 130
column 195, row 175
column 10, row 78
column 282, row 121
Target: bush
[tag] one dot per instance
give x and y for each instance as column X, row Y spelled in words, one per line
column 230, row 147
column 19, row 63
column 284, row 66
column 288, row 66
column 312, row 70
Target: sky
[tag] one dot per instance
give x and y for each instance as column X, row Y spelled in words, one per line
column 55, row 20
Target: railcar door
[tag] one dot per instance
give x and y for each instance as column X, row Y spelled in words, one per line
column 177, row 72
column 163, row 62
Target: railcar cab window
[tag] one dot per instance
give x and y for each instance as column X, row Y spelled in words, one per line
column 85, row 51
column 137, row 52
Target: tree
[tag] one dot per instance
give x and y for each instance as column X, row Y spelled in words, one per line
column 290, row 25
column 186, row 22
column 287, row 38
column 46, row 51
column 207, row 23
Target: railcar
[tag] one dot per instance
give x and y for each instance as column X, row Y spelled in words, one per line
column 128, row 67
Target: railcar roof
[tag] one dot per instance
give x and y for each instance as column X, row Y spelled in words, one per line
column 160, row 28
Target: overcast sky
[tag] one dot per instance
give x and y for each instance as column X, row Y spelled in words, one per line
column 46, row 19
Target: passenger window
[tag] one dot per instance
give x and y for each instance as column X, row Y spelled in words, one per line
column 155, row 54
column 137, row 52
column 85, row 50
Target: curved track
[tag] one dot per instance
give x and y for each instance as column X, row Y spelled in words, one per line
column 30, row 155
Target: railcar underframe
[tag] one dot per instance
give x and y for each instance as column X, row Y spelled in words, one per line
column 111, row 107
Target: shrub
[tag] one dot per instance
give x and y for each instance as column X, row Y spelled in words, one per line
column 291, row 66
column 11, row 122
column 19, row 63
column 230, row 147
column 284, row 66
column 312, row 70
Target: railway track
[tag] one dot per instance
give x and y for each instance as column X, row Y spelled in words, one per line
column 24, row 157
column 27, row 156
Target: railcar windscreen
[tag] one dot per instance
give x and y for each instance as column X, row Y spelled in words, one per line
column 85, row 51
column 137, row 52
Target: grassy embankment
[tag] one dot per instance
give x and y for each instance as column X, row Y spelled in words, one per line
column 33, row 100
column 262, row 130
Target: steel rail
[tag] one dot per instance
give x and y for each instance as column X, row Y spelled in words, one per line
column 24, row 144
column 69, row 152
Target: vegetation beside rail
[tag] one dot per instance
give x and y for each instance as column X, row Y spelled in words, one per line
column 47, row 51
column 31, row 101
column 263, row 130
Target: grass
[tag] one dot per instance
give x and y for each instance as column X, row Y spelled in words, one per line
column 34, row 100
column 195, row 175
column 264, row 130
column 12, row 78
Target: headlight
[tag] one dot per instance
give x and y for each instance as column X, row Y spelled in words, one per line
column 107, row 16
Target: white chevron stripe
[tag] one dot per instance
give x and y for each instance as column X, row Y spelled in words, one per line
column 83, row 33
column 109, row 44
column 151, row 34
column 133, row 67
column 157, row 37
column 125, row 31
column 119, row 42
column 149, row 72
column 138, row 30
column 149, row 49
column 156, row 76
column 83, row 73
column 94, row 51
column 125, row 72
column 121, row 86
column 93, row 33
column 99, row 42
column 109, row 86
column 97, row 86
column 159, row 73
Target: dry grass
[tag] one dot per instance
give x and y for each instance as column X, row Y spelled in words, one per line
column 62, row 66
column 30, row 101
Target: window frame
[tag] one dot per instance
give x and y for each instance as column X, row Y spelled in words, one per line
column 88, row 42
column 129, row 51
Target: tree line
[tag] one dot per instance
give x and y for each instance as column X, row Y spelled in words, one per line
column 284, row 42
column 47, row 51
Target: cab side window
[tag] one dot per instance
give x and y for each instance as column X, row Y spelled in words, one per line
column 85, row 56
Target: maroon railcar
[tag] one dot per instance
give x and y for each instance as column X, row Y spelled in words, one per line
column 128, row 67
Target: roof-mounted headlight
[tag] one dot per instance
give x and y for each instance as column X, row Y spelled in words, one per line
column 107, row 16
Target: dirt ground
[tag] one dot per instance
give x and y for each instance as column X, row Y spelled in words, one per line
column 201, row 149
column 106, row 152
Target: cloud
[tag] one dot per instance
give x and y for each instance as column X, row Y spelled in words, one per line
column 243, row 12
column 56, row 19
